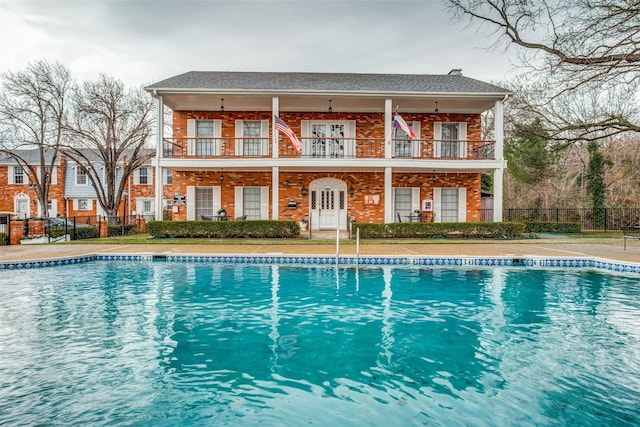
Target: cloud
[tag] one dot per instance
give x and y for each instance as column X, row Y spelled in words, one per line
column 142, row 41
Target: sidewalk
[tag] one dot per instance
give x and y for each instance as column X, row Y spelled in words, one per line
column 611, row 249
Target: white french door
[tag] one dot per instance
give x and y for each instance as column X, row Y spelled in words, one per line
column 328, row 204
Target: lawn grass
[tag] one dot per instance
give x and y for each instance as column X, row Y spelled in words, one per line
column 145, row 239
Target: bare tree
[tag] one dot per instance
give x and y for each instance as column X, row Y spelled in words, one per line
column 574, row 47
column 33, row 105
column 107, row 134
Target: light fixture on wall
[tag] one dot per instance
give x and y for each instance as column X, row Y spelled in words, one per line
column 433, row 178
column 222, row 105
column 221, row 177
column 303, row 191
column 330, row 107
column 352, row 190
column 437, row 111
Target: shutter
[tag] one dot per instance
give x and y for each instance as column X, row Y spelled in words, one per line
column 217, row 134
column 304, row 134
column 462, row 136
column 415, row 143
column 239, row 211
column 75, row 204
column 191, row 134
column 136, row 177
column 54, row 175
column 12, row 175
column 90, row 205
column 139, row 206
column 54, row 208
column 437, row 137
column 239, row 144
column 191, row 203
column 264, row 202
column 264, row 133
column 415, row 199
column 350, row 142
column 437, row 205
column 216, row 199
column 462, row 205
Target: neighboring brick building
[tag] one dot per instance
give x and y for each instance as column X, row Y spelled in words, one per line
column 225, row 152
column 17, row 192
column 71, row 193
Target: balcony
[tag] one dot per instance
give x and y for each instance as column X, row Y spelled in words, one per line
column 327, row 148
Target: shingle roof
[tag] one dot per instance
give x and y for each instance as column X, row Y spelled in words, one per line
column 324, row 82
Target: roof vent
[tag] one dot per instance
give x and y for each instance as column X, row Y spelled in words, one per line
column 455, row 72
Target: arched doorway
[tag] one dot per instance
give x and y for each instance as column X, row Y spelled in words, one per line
column 21, row 204
column 328, row 204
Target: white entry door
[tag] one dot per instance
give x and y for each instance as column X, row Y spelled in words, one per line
column 328, row 204
column 22, row 208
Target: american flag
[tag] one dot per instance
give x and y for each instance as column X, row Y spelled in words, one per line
column 281, row 126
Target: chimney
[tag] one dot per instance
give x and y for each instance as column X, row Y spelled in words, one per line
column 455, row 72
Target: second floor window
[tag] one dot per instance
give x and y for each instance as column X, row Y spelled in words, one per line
column 18, row 175
column 449, row 140
column 252, row 131
column 81, row 176
column 168, row 177
column 143, row 176
column 204, row 133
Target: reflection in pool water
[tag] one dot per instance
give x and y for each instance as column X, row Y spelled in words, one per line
column 204, row 344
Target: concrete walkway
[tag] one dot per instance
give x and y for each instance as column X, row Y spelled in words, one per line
column 611, row 249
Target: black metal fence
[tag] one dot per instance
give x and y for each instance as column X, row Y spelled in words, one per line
column 607, row 219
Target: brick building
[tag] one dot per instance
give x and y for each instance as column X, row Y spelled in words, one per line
column 70, row 193
column 225, row 152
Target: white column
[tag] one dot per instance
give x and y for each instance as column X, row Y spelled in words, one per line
column 275, row 193
column 388, row 195
column 498, row 174
column 159, row 147
column 275, row 109
column 388, row 127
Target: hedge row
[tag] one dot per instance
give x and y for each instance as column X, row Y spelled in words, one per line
column 116, row 230
column 553, row 227
column 430, row 230
column 81, row 232
column 265, row 229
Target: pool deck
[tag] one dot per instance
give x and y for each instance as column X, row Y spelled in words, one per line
column 593, row 248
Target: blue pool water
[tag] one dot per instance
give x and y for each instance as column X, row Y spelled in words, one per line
column 162, row 343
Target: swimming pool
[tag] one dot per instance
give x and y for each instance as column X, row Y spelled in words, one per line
column 175, row 343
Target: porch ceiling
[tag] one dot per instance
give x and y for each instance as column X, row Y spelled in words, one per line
column 365, row 103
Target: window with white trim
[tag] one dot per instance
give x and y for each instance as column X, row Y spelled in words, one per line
column 81, row 176
column 84, row 205
column 143, row 176
column 204, row 131
column 204, row 202
column 449, row 205
column 449, row 147
column 18, row 175
column 252, row 142
column 251, row 202
column 168, row 177
column 402, row 203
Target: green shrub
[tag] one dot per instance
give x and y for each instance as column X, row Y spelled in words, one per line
column 117, row 230
column 440, row 230
column 80, row 232
column 224, row 229
column 553, row 227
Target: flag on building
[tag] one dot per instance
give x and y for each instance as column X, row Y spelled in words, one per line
column 398, row 122
column 281, row 126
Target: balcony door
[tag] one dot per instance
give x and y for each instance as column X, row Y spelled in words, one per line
column 328, row 139
column 328, row 208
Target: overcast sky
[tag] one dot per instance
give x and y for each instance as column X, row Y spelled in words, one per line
column 144, row 41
